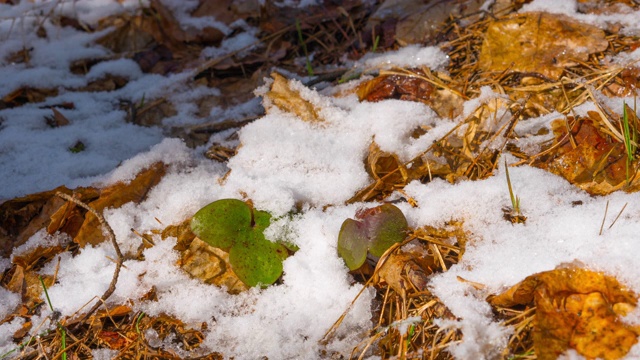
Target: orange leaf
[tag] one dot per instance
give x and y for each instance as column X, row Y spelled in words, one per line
column 115, row 196
column 578, row 309
column 542, row 43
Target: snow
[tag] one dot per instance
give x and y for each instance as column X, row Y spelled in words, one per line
column 284, row 164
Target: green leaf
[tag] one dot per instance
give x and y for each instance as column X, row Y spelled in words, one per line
column 387, row 227
column 234, row 226
column 258, row 261
column 224, row 222
column 353, row 243
column 376, row 230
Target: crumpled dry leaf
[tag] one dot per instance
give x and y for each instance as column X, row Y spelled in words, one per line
column 182, row 232
column 57, row 120
column 211, row 265
column 22, row 217
column 27, row 284
column 575, row 308
column 386, row 167
column 411, row 88
column 289, row 100
column 409, row 268
column 591, row 159
column 540, row 43
column 426, row 19
column 115, row 196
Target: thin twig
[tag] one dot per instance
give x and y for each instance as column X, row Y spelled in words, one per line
column 112, row 237
column 616, row 219
column 604, row 218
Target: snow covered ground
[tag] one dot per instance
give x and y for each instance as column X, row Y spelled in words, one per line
column 283, row 161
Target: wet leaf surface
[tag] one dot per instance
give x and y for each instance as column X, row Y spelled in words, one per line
column 540, row 43
column 575, row 309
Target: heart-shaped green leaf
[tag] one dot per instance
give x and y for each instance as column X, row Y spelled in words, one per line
column 258, row 261
column 222, row 223
column 234, row 226
column 386, row 227
column 352, row 243
column 375, row 230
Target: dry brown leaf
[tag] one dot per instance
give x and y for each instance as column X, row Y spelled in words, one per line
column 540, row 43
column 407, row 88
column 409, row 268
column 211, row 265
column 290, row 100
column 27, row 284
column 596, row 163
column 57, row 119
column 382, row 164
column 22, row 217
column 421, row 21
column 182, row 232
column 68, row 218
column 29, row 259
column 575, row 309
column 115, row 196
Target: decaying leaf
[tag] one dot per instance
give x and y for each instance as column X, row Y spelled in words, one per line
column 589, row 157
column 57, row 120
column 115, row 196
column 411, row 85
column 409, row 268
column 22, row 217
column 423, row 20
column 27, row 284
column 183, row 234
column 211, row 265
column 290, row 100
column 540, row 43
column 575, row 309
column 386, row 167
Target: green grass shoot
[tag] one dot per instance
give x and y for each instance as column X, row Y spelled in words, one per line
column 630, row 139
column 63, row 333
column 138, row 322
column 375, row 43
column 304, row 48
column 515, row 200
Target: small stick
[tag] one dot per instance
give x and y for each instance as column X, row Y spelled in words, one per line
column 111, row 235
column 605, row 217
column 620, row 213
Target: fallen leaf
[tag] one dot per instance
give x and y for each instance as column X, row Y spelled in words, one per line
column 590, row 159
column 575, row 309
column 182, row 232
column 115, row 196
column 538, row 42
column 29, row 259
column 289, row 100
column 57, row 119
column 211, row 266
column 422, row 21
column 22, row 217
column 382, row 164
column 409, row 268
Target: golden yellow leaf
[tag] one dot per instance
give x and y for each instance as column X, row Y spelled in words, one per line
column 290, row 100
column 575, row 309
column 540, row 43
